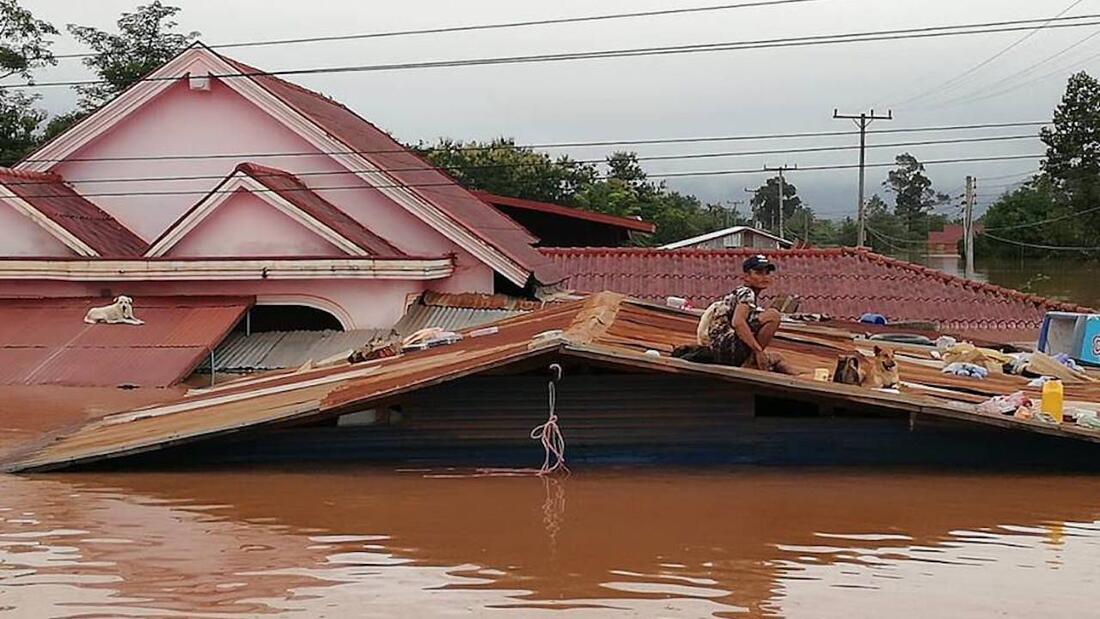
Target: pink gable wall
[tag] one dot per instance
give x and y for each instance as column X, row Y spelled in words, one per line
column 185, row 122
column 22, row 237
column 246, row 225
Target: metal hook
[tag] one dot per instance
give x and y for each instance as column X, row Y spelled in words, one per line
column 556, row 372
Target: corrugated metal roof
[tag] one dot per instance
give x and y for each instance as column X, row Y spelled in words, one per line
column 605, row 329
column 277, row 350
column 614, row 221
column 48, row 193
column 47, row 342
column 450, row 318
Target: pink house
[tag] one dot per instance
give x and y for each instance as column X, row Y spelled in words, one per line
column 212, row 178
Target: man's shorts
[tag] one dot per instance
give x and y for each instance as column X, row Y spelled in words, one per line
column 730, row 350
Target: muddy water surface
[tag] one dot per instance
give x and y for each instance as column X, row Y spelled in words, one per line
column 370, row 542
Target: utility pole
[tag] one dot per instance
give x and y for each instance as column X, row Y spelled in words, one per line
column 755, row 224
column 782, row 190
column 862, row 121
column 968, row 225
column 733, row 207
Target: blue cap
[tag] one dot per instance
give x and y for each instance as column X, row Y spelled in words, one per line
column 758, row 263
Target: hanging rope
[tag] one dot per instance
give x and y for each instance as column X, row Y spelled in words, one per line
column 549, row 433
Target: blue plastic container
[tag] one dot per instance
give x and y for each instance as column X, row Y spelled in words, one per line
column 1077, row 335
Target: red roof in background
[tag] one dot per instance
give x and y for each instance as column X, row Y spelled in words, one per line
column 844, row 283
column 636, row 225
column 406, row 168
column 950, row 235
column 290, row 188
column 47, row 342
column 49, row 195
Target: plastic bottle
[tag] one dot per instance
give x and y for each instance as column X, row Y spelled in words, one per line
column 1053, row 398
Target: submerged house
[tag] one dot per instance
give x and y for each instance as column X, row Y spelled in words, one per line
column 210, row 177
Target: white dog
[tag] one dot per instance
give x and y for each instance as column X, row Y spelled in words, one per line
column 119, row 312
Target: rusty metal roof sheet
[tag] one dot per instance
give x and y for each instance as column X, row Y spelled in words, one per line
column 46, row 342
column 605, row 329
column 48, row 193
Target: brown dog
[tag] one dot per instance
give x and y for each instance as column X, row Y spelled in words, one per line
column 879, row 372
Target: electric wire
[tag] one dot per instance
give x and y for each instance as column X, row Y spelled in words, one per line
column 833, row 39
column 481, row 27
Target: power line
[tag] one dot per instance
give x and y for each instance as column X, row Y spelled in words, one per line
column 1004, row 91
column 702, row 173
column 480, row 27
column 1037, row 246
column 551, row 145
column 1045, row 221
column 1017, row 175
column 857, row 37
column 1020, row 73
column 1031, row 32
column 459, row 168
column 894, row 238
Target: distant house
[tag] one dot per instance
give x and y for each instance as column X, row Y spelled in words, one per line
column 561, row 226
column 945, row 243
column 733, row 238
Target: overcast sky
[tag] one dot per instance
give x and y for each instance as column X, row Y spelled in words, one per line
column 725, row 93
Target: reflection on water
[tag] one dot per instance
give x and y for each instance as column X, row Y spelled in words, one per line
column 366, row 542
column 1066, row 280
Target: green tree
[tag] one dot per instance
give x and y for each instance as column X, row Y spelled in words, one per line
column 146, row 39
column 503, row 168
column 765, row 203
column 24, row 47
column 914, row 197
column 1031, row 214
column 1072, row 162
column 627, row 191
column 19, row 122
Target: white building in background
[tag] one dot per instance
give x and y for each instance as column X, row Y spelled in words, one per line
column 733, row 238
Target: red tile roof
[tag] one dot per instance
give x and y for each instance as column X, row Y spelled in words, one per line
column 293, row 190
column 844, row 283
column 408, row 169
column 636, row 225
column 47, row 193
column 46, row 342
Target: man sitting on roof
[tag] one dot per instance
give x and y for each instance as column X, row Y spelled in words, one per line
column 740, row 330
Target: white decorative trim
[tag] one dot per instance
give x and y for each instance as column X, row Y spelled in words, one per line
column 200, row 57
column 241, row 181
column 51, row 226
column 196, row 59
column 408, row 269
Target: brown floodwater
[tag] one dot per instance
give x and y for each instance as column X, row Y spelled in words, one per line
column 1070, row 280
column 360, row 541
column 366, row 542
